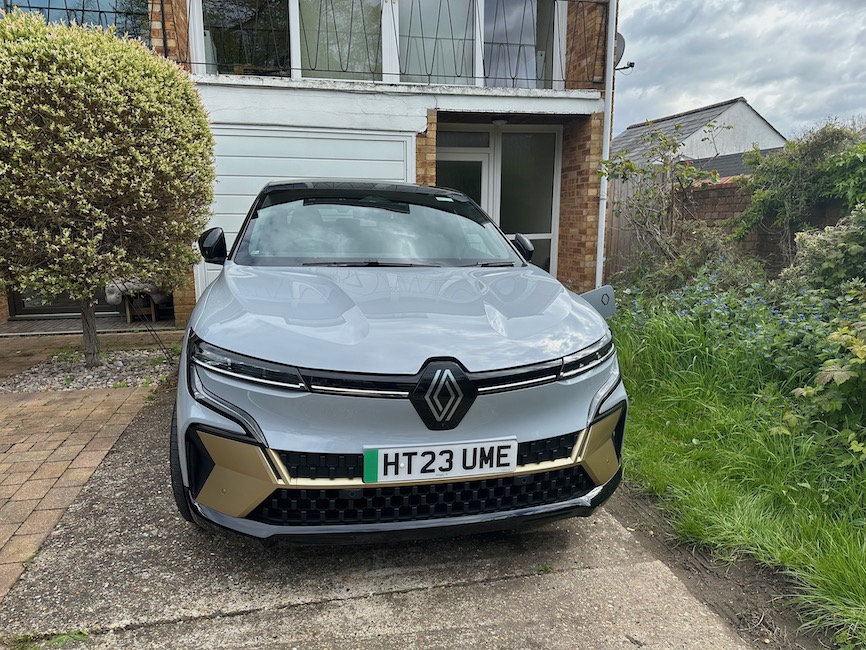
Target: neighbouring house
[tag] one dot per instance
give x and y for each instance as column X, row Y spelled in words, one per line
column 502, row 99
column 738, row 129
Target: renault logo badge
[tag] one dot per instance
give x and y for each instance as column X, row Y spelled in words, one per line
column 442, row 395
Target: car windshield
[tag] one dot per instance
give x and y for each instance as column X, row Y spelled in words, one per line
column 358, row 228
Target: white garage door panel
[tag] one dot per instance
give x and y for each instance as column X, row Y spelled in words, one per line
column 279, row 168
column 228, row 222
column 240, row 185
column 233, row 204
column 293, row 147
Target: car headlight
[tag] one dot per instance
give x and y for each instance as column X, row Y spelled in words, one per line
column 606, row 390
column 588, row 358
column 242, row 367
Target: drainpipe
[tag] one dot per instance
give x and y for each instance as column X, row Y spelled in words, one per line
column 605, row 137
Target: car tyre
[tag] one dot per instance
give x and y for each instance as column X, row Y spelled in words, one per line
column 177, row 487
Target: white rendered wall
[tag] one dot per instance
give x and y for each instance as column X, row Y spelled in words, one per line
column 749, row 129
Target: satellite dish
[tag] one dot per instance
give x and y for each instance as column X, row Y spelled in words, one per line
column 619, row 50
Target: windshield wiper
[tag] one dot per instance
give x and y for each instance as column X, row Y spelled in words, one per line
column 367, row 263
column 490, row 264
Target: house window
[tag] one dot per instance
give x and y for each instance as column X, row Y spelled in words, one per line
column 505, row 43
column 246, row 36
column 437, row 41
column 341, row 39
column 518, row 43
column 127, row 16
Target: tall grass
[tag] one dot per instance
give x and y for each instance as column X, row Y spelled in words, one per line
column 704, row 435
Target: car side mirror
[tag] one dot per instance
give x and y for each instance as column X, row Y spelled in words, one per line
column 524, row 246
column 602, row 300
column 212, row 245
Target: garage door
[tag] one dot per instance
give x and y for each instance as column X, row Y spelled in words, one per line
column 248, row 157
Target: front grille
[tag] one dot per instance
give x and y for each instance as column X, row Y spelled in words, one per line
column 336, row 466
column 311, row 465
column 540, row 451
column 374, row 505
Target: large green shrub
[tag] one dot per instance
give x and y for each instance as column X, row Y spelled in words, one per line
column 833, row 405
column 106, row 163
column 827, row 258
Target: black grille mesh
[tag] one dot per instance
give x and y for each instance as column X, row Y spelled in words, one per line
column 334, row 466
column 373, row 505
column 310, row 465
column 539, row 451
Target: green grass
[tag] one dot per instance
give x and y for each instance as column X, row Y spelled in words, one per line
column 701, row 438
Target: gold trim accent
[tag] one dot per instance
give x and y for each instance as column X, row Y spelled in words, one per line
column 598, row 455
column 241, row 478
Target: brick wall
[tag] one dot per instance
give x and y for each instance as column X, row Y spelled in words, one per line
column 169, row 29
column 586, row 44
column 579, row 195
column 718, row 203
column 425, row 152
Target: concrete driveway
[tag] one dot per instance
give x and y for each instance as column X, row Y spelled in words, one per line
column 123, row 566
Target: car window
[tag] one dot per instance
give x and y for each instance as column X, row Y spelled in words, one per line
column 364, row 229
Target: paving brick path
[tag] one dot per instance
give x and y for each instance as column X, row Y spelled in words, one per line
column 50, row 443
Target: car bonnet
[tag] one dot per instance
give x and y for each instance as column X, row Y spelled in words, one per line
column 392, row 320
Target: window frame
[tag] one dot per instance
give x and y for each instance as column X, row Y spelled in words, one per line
column 390, row 48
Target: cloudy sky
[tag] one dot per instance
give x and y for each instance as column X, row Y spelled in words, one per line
column 796, row 62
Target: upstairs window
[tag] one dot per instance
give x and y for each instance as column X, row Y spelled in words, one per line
column 247, row 36
column 129, row 17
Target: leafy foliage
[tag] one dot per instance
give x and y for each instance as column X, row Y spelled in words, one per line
column 827, row 258
column 106, row 161
column 833, row 406
column 786, row 186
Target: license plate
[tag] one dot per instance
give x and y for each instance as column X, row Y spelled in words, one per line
column 426, row 462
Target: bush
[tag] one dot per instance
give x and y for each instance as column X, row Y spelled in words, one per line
column 106, row 163
column 833, row 406
column 787, row 185
column 827, row 258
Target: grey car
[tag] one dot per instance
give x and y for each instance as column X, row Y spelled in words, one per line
column 380, row 361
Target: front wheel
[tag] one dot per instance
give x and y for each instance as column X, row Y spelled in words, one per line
column 177, row 486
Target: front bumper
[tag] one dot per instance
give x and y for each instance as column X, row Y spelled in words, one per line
column 582, row 506
column 246, row 487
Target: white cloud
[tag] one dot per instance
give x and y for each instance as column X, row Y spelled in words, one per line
column 795, row 61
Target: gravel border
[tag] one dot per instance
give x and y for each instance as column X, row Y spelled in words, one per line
column 67, row 371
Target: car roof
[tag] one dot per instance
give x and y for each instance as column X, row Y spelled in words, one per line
column 338, row 184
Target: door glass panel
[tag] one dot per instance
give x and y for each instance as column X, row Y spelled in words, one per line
column 526, row 198
column 462, row 175
column 341, row 39
column 437, row 41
